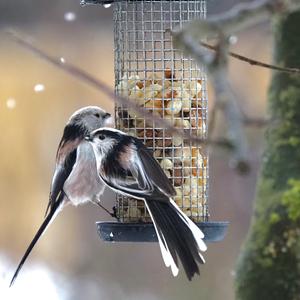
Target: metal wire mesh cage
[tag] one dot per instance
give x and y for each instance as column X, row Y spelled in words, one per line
column 151, row 72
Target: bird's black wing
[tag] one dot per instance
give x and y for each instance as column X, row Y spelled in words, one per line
column 154, row 171
column 62, row 171
column 146, row 175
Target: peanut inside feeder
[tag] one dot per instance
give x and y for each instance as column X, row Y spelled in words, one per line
column 150, row 72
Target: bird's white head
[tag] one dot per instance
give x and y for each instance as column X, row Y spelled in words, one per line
column 90, row 118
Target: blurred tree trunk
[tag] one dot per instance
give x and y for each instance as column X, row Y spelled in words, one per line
column 269, row 265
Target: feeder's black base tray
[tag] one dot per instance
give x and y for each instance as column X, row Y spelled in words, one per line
column 145, row 232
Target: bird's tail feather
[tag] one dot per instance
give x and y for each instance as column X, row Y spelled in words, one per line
column 48, row 219
column 178, row 236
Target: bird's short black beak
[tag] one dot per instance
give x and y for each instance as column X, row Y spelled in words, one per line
column 107, row 115
column 88, row 138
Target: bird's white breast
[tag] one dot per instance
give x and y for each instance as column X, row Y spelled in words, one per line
column 84, row 184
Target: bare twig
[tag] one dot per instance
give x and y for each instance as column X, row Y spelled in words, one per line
column 256, row 122
column 254, row 62
column 101, row 86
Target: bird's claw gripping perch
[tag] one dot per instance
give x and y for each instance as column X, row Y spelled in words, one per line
column 114, row 214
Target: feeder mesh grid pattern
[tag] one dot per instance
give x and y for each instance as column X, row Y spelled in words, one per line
column 149, row 71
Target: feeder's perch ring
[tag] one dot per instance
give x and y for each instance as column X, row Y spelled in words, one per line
column 161, row 79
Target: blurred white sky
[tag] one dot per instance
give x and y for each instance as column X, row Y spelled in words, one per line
column 37, row 283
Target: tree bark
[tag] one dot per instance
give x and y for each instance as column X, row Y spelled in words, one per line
column 269, row 264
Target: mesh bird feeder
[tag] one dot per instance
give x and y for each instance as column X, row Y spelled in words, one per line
column 150, row 72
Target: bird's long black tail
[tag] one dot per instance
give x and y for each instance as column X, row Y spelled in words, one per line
column 178, row 236
column 52, row 213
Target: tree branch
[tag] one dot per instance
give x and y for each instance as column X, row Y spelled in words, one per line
column 252, row 61
column 221, row 27
column 256, row 122
column 104, row 88
column 216, row 65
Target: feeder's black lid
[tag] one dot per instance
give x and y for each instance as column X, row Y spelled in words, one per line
column 145, row 232
column 86, row 2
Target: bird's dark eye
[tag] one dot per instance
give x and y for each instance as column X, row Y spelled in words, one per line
column 97, row 115
column 101, row 137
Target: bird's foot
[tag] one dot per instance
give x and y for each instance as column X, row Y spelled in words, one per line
column 114, row 214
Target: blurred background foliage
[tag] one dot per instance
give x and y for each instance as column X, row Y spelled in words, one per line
column 70, row 262
column 269, row 263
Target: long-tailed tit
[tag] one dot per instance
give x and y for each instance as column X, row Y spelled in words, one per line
column 75, row 179
column 128, row 167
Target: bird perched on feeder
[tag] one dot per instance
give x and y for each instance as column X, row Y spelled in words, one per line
column 75, row 179
column 129, row 168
